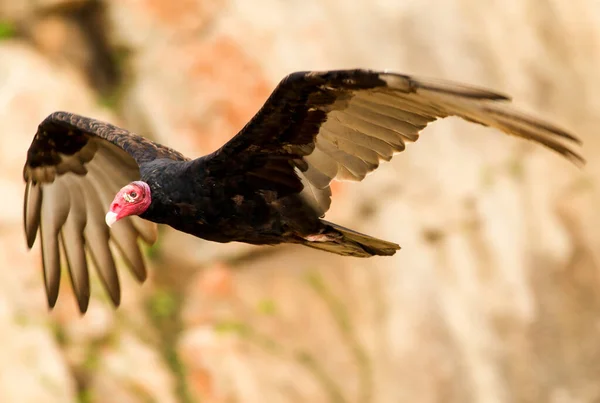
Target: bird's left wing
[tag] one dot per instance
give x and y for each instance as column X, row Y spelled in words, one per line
column 319, row 126
column 75, row 165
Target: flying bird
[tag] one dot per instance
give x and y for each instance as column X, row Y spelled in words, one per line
column 91, row 185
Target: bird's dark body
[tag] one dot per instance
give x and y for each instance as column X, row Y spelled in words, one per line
column 190, row 200
column 269, row 184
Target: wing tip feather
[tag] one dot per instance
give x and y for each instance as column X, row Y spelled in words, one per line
column 412, row 84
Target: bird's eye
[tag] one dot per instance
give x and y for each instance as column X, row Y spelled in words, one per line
column 130, row 197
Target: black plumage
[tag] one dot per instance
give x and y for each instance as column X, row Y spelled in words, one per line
column 269, row 184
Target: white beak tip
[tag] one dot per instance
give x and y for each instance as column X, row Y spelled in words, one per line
column 111, row 218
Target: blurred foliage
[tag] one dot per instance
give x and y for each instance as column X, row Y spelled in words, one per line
column 329, row 385
column 7, row 30
column 162, row 305
column 341, row 316
column 163, row 308
column 267, row 307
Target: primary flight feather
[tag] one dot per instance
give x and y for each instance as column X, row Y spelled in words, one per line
column 268, row 185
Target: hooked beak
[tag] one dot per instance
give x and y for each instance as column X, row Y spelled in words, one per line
column 111, row 218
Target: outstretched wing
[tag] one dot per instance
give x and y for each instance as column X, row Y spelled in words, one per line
column 75, row 165
column 319, row 126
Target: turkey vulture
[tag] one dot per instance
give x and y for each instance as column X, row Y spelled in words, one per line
column 268, row 185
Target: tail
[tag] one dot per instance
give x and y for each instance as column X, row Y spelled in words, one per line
column 344, row 241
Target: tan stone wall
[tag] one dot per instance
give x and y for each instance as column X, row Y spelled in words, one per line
column 493, row 298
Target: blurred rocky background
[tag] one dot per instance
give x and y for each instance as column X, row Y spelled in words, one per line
column 493, row 298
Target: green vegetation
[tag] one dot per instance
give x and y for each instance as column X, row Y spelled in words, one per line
column 516, row 169
column 246, row 332
column 342, row 319
column 332, row 389
column 267, row 307
column 163, row 305
column 59, row 333
column 7, row 30
column 152, row 251
column 164, row 308
column 85, row 396
column 232, row 327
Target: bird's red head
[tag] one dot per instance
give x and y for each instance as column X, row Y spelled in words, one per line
column 132, row 199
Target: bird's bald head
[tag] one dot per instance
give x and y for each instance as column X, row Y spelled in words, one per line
column 132, row 199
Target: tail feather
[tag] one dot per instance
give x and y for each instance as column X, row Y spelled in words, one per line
column 347, row 242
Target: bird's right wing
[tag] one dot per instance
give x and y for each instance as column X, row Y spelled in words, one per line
column 75, row 166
